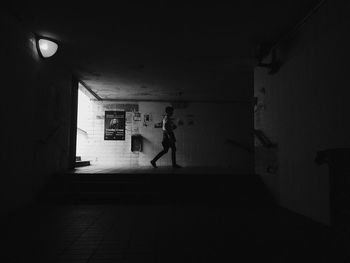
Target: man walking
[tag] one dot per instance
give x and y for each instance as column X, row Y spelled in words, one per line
column 169, row 139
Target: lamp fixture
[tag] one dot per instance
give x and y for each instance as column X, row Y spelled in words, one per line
column 46, row 47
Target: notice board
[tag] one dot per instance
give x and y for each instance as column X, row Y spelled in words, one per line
column 114, row 125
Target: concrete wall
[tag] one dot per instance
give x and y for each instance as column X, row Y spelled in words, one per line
column 203, row 143
column 35, row 121
column 305, row 109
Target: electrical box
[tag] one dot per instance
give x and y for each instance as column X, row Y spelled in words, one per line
column 136, row 142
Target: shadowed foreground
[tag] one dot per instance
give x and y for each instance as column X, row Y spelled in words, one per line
column 164, row 233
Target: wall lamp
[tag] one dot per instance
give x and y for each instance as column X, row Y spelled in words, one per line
column 46, row 47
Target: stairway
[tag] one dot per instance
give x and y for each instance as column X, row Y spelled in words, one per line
column 80, row 163
column 239, row 189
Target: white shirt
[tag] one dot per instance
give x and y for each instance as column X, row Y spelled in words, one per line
column 167, row 124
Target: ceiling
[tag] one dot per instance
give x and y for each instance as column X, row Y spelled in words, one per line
column 164, row 50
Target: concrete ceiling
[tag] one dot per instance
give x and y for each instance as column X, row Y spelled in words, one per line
column 164, row 51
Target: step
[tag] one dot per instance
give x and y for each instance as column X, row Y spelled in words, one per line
column 150, row 198
column 82, row 163
column 194, row 183
column 137, row 187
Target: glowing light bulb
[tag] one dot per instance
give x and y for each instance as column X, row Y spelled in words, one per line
column 47, row 48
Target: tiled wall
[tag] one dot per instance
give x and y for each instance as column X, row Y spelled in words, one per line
column 201, row 140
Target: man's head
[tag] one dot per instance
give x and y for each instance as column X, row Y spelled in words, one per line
column 169, row 110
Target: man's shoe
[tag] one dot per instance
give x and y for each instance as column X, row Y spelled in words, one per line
column 176, row 166
column 153, row 164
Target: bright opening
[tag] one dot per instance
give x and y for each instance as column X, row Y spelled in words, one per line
column 84, row 127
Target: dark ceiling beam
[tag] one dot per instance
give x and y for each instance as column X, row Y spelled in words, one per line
column 90, row 90
column 241, row 101
column 291, row 33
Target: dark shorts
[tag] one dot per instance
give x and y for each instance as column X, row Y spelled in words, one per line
column 168, row 142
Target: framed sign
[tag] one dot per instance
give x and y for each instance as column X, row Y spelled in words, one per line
column 115, row 125
column 137, row 116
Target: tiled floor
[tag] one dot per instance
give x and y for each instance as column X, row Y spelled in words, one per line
column 162, row 233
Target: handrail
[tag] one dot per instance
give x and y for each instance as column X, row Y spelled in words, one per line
column 49, row 136
column 332, row 156
column 265, row 141
column 82, row 131
column 53, row 133
column 240, row 145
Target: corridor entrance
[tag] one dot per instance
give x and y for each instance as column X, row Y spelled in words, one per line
column 84, row 127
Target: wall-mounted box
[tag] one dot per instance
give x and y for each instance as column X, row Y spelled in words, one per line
column 136, row 142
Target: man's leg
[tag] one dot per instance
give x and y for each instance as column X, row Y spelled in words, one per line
column 155, row 159
column 173, row 156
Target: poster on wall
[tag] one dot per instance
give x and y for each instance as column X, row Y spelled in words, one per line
column 128, row 117
column 115, row 125
column 147, row 119
column 137, row 116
